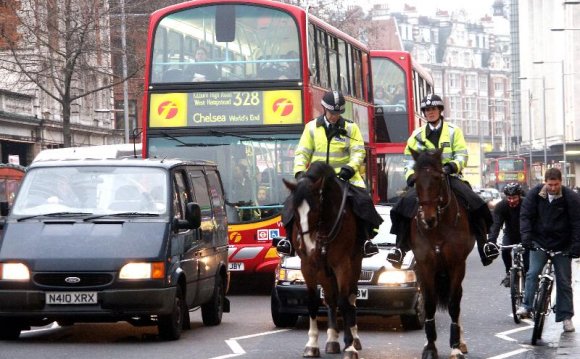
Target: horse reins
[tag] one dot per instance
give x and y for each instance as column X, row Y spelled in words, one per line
column 331, row 236
column 439, row 200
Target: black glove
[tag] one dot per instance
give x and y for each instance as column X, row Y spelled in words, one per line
column 448, row 168
column 299, row 174
column 528, row 245
column 411, row 181
column 346, row 173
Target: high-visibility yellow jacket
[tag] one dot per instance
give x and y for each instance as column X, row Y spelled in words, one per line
column 451, row 141
column 344, row 150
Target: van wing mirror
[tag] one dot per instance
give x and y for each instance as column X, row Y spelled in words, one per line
column 193, row 215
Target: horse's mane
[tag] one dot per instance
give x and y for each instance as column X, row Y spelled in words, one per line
column 303, row 190
column 428, row 159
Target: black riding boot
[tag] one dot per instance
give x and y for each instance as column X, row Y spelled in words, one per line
column 369, row 249
column 402, row 230
column 488, row 251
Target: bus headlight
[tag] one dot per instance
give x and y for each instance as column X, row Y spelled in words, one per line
column 14, row 271
column 397, row 277
column 143, row 270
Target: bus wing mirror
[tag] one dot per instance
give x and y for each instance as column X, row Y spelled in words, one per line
column 225, row 23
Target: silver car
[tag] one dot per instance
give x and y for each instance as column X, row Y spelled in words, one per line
column 382, row 289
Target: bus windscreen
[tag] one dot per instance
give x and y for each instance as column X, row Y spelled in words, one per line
column 226, row 43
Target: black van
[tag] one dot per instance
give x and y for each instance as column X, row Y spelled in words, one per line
column 136, row 240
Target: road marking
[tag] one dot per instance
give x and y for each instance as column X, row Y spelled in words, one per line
column 237, row 348
column 509, row 354
column 504, row 336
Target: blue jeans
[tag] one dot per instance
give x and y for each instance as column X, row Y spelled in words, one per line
column 563, row 273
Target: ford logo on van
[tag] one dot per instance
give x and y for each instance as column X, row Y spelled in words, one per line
column 72, row 280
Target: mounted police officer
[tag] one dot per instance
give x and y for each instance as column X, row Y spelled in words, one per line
column 338, row 141
column 438, row 133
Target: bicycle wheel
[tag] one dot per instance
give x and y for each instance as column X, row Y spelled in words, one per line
column 541, row 305
column 516, row 292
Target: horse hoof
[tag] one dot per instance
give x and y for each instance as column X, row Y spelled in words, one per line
column 332, row 348
column 311, row 352
column 456, row 356
column 350, row 354
column 463, row 348
column 430, row 354
column 357, row 344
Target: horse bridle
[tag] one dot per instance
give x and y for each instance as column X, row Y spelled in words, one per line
column 439, row 201
column 331, row 236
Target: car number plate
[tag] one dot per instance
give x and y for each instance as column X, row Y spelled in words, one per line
column 362, row 293
column 235, row 266
column 71, row 298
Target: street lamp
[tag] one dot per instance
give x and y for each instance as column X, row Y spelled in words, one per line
column 564, row 170
column 543, row 114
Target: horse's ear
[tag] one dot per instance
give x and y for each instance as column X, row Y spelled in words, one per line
column 290, row 185
column 414, row 153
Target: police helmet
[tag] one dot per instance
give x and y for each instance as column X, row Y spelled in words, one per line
column 432, row 100
column 513, row 189
column 333, row 101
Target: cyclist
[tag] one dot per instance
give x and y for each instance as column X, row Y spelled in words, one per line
column 438, row 133
column 550, row 219
column 507, row 212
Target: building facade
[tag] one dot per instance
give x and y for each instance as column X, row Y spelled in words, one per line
column 470, row 64
column 32, row 93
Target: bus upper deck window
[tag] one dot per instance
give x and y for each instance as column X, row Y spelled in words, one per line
column 225, row 23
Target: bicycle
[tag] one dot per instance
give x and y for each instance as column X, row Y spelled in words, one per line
column 543, row 297
column 517, row 279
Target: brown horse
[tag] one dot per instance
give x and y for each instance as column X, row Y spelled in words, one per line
column 441, row 241
column 324, row 236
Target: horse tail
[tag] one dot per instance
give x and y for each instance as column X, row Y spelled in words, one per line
column 443, row 289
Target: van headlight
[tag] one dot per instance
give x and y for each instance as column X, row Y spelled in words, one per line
column 289, row 275
column 397, row 277
column 14, row 271
column 143, row 270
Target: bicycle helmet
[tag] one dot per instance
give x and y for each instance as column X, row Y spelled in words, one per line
column 432, row 100
column 513, row 189
column 333, row 101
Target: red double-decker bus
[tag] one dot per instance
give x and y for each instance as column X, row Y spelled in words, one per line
column 399, row 85
column 498, row 172
column 234, row 82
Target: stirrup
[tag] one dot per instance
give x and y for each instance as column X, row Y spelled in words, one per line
column 370, row 249
column 395, row 257
column 284, row 247
column 491, row 250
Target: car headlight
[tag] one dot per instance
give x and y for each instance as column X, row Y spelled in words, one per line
column 14, row 271
column 143, row 270
column 289, row 275
column 397, row 277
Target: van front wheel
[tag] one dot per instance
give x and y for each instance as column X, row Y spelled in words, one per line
column 212, row 311
column 170, row 325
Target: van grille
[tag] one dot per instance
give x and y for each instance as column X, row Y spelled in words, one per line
column 84, row 279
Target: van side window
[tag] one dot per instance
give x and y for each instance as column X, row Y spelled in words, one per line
column 179, row 195
column 200, row 192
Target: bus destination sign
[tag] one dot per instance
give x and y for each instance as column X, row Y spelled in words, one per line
column 226, row 108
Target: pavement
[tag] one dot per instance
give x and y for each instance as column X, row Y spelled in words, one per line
column 569, row 343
